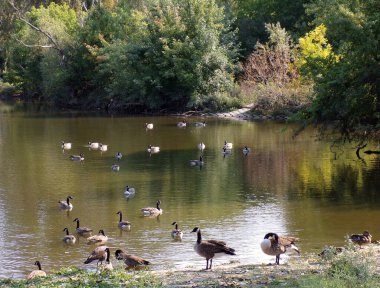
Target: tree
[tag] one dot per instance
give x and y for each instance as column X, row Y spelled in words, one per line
column 184, row 57
column 348, row 91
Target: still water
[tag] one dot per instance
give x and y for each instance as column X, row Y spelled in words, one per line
column 299, row 187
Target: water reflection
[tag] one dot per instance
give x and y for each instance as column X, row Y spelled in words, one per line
column 283, row 185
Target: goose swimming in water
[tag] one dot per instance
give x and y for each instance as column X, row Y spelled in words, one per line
column 129, row 191
column 83, row 231
column 66, row 205
column 101, row 238
column 210, row 248
column 181, row 124
column 124, row 225
column 152, row 211
column 227, row 145
column 201, row 146
column 197, row 162
column 200, row 124
column 275, row 245
column 153, row 149
column 65, row 145
column 69, row 239
column 149, row 126
column 118, row 156
column 93, row 145
column 115, row 167
column 176, row 233
column 246, row 150
column 103, row 147
column 79, row 157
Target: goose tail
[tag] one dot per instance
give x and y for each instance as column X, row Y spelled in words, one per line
column 229, row 251
column 295, row 248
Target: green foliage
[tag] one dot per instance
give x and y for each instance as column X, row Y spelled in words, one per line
column 350, row 269
column 315, row 53
column 253, row 14
column 348, row 91
column 184, row 58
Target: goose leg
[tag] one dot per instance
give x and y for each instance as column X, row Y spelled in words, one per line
column 206, row 264
column 278, row 259
column 210, row 263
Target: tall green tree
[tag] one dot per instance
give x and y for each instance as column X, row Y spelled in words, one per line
column 176, row 54
column 348, row 92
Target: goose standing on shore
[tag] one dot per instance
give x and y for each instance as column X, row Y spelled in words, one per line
column 361, row 239
column 152, row 211
column 275, row 245
column 69, row 239
column 99, row 253
column 83, row 231
column 130, row 260
column 37, row 273
column 124, row 225
column 210, row 248
column 66, row 205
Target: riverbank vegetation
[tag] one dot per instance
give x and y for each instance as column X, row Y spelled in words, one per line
column 313, row 57
column 352, row 268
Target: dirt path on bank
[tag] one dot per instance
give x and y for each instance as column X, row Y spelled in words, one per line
column 258, row 275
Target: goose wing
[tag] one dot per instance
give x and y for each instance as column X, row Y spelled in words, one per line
column 133, row 260
column 217, row 246
column 287, row 240
column 99, row 254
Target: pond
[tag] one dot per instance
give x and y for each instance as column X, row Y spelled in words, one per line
column 300, row 187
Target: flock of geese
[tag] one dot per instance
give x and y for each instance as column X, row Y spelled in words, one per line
column 272, row 244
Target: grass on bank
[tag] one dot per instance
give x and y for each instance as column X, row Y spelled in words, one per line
column 76, row 277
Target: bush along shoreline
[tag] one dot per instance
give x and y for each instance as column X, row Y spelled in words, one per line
column 352, row 267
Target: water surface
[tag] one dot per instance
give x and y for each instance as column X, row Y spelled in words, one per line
column 298, row 186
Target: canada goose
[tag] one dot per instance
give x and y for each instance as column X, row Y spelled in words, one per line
column 99, row 253
column 93, row 145
column 361, row 239
column 66, row 205
column 226, row 152
column 152, row 211
column 115, row 167
column 65, row 145
column 181, row 124
column 129, row 191
column 83, row 231
column 149, row 126
column 200, row 124
column 246, row 150
column 227, row 145
column 330, row 251
column 79, row 157
column 197, row 162
column 69, row 239
column 37, row 273
column 210, row 248
column 130, row 260
column 124, row 225
column 108, row 266
column 176, row 233
column 118, row 156
column 275, row 245
column 98, row 239
column 201, row 146
column 103, row 147
column 153, row 149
